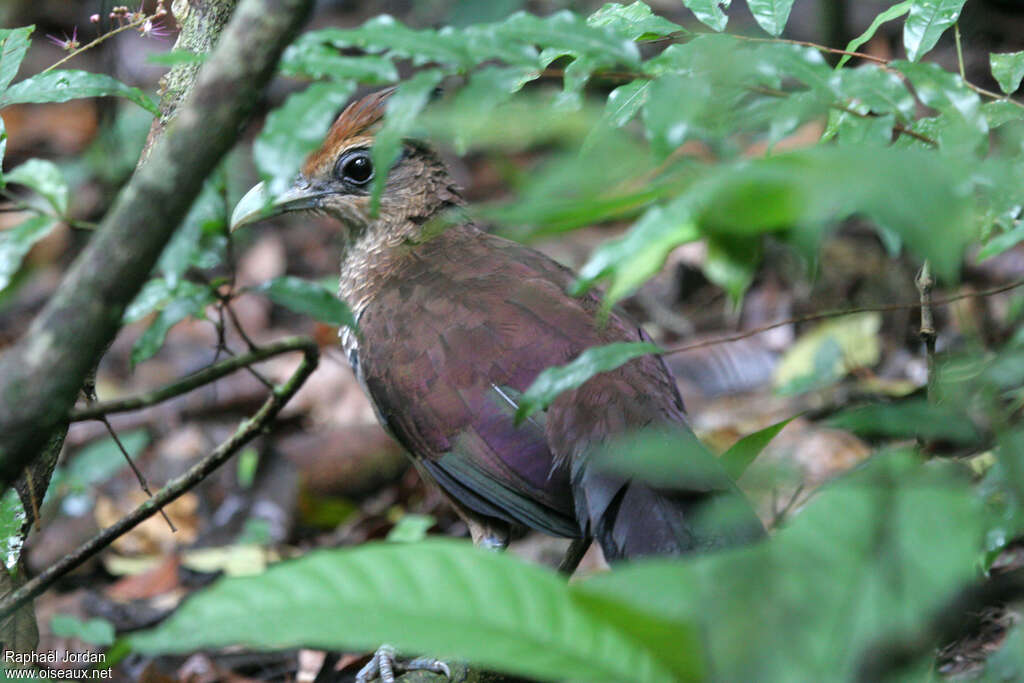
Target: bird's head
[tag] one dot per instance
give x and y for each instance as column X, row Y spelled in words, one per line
column 336, row 180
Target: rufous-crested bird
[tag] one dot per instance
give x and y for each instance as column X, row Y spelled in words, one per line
column 453, row 328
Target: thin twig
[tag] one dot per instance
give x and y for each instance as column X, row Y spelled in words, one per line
column 138, row 473
column 246, row 431
column 184, row 385
column 103, row 37
column 924, row 283
column 837, row 314
column 959, row 51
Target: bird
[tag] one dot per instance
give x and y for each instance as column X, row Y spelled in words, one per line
column 454, row 325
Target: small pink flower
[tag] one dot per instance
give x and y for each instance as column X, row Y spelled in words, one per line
column 94, row 19
column 154, row 29
column 68, row 44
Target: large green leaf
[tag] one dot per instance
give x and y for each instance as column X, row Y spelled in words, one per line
column 201, row 239
column 64, row 85
column 635, row 21
column 442, row 597
column 385, row 33
column 12, row 519
column 737, row 459
column 188, row 299
column 710, row 12
column 867, row 559
column 16, row 242
column 1008, row 70
column 295, row 129
column 553, row 381
column 309, row 298
column 403, row 106
column 14, row 46
column 309, row 57
column 771, row 15
column 894, row 12
column 928, row 20
column 45, row 178
column 632, row 259
column 961, row 129
column 909, row 419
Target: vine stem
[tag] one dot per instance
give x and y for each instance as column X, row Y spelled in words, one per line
column 837, row 314
column 246, row 431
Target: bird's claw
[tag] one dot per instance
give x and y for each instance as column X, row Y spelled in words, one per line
column 385, row 663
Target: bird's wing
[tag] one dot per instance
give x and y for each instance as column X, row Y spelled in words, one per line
column 448, row 348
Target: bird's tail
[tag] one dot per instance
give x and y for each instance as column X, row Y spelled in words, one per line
column 630, row 518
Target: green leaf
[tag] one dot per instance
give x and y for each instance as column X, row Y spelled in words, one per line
column 403, row 106
column 925, row 202
column 741, row 454
column 309, row 298
column 894, row 12
column 1001, row 112
column 1002, row 242
column 732, row 264
column 1008, row 70
column 94, row 631
column 625, row 101
column 878, row 89
column 309, row 57
column 962, row 129
column 295, row 129
column 12, row 52
column 672, row 458
column 64, row 85
column 16, row 242
column 771, row 15
column 632, row 259
column 909, row 419
column 175, row 57
column 565, row 33
column 474, row 105
column 45, row 178
column 12, row 519
column 928, row 20
column 201, row 239
column 442, row 597
column 709, row 12
column 411, row 528
column 384, row 32
column 867, row 561
column 553, row 381
column 189, row 301
column 635, row 22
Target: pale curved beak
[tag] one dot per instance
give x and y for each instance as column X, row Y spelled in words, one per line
column 258, row 203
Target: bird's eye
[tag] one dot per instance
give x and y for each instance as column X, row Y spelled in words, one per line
column 357, row 169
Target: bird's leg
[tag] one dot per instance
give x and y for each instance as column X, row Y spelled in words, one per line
column 573, row 554
column 385, row 663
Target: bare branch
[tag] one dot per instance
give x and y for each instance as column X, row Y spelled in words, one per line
column 245, row 433
column 40, row 376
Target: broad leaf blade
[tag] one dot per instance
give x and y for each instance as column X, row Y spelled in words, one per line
column 46, row 179
column 16, row 242
column 403, row 106
column 771, row 15
column 309, row 298
column 64, row 85
column 741, row 454
column 1008, row 70
column 709, row 12
column 441, row 597
column 295, row 129
column 553, row 381
column 928, row 20
column 15, row 45
column 894, row 12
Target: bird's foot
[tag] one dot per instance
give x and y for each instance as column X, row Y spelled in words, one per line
column 385, row 663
